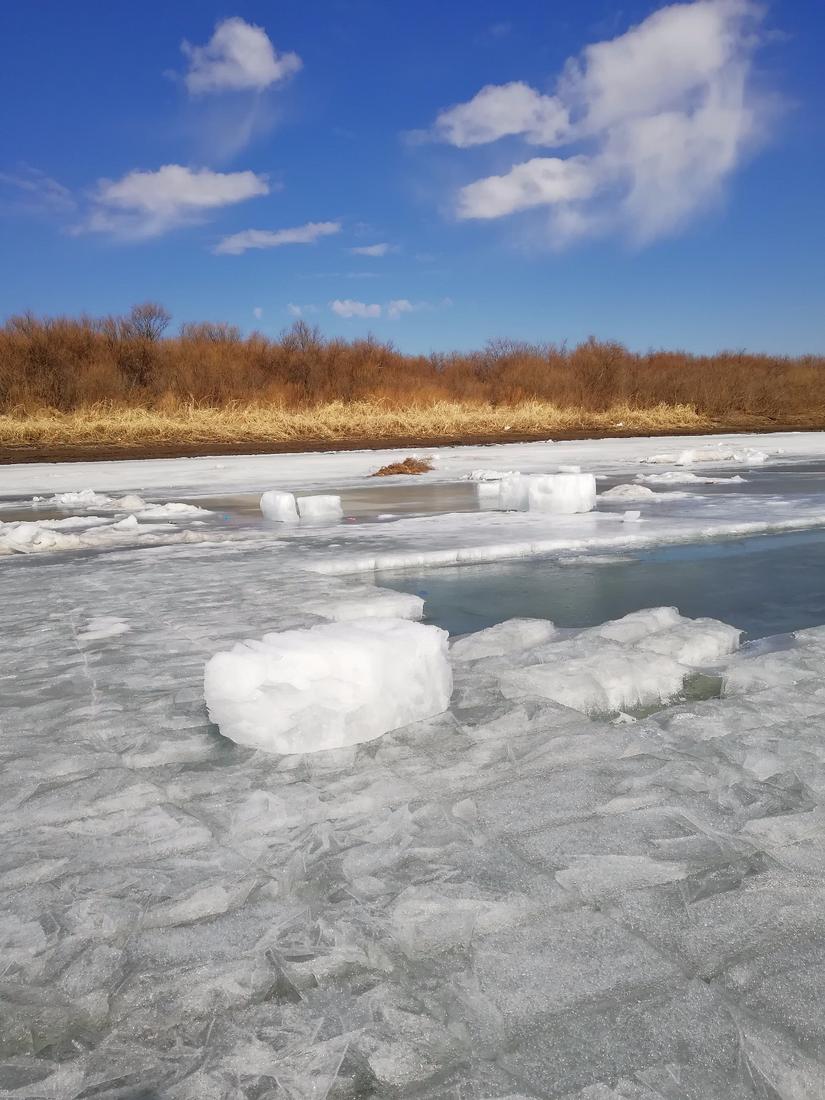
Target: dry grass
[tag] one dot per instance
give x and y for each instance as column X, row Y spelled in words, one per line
column 409, row 466
column 333, row 422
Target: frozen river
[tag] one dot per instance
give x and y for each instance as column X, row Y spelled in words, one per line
column 542, row 892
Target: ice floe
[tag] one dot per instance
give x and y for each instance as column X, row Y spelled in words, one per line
column 130, row 502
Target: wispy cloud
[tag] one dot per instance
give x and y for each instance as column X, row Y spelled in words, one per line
column 296, row 310
column 372, row 249
column 238, row 57
column 663, row 115
column 275, row 238
column 257, row 313
column 30, row 191
column 147, row 204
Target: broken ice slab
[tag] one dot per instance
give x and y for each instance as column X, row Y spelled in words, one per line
column 333, row 685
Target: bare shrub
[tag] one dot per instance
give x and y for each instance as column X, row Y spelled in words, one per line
column 69, row 364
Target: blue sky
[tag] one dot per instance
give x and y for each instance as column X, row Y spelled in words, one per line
column 538, row 170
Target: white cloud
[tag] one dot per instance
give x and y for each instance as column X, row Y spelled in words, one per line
column 372, row 249
column 239, row 56
column 662, row 115
column 539, row 182
column 398, row 306
column 257, row 313
column 146, row 204
column 349, row 308
column 268, row 238
column 300, row 311
column 500, row 110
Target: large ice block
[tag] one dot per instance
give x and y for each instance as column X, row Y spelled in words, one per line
column 333, row 685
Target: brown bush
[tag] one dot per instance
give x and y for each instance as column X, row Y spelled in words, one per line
column 70, row 364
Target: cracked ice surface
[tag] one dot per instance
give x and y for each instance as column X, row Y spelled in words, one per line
column 508, row 899
column 512, row 899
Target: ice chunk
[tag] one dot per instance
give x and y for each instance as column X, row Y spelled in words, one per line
column 378, row 603
column 628, row 492
column 748, row 456
column 685, row 477
column 333, row 685
column 279, row 506
column 638, row 624
column 82, row 498
column 513, row 492
column 570, row 469
column 608, row 679
column 694, row 642
column 511, row 636
column 633, row 516
column 565, row 494
column 320, row 509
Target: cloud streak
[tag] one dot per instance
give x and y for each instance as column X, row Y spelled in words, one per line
column 374, row 250
column 659, row 118
column 241, row 242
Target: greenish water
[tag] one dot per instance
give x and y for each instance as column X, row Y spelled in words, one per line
column 766, row 585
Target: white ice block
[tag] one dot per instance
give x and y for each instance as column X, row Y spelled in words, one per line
column 320, row 509
column 279, row 506
column 564, row 494
column 333, row 685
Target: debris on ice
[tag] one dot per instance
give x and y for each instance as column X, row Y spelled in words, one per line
column 333, row 685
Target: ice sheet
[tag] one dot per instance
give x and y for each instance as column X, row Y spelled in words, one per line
column 508, row 899
column 246, row 473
